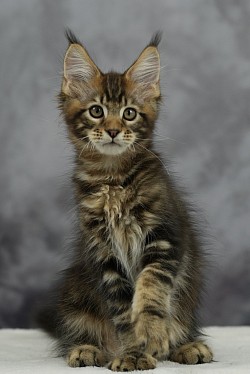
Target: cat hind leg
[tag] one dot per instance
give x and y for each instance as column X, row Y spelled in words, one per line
column 85, row 355
column 192, row 353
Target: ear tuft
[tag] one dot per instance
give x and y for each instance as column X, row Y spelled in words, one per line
column 72, row 39
column 156, row 39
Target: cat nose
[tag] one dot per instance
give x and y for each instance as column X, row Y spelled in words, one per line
column 113, row 133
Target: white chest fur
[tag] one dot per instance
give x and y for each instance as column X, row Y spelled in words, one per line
column 125, row 234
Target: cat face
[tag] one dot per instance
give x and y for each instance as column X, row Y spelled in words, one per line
column 110, row 113
column 113, row 124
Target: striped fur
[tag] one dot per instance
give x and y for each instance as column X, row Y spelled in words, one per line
column 130, row 296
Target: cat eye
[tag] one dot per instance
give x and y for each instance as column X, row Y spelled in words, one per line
column 129, row 114
column 96, row 111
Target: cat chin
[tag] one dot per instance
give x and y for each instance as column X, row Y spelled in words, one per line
column 111, row 149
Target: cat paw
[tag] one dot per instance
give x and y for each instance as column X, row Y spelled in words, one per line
column 152, row 336
column 132, row 362
column 85, row 355
column 192, row 353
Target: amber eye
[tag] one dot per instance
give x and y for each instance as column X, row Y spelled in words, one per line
column 129, row 114
column 96, row 111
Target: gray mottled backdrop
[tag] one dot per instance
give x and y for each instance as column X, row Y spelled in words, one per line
column 205, row 57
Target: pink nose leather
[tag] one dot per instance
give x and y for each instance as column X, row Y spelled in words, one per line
column 113, row 133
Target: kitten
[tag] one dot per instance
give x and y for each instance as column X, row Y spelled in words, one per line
column 130, row 296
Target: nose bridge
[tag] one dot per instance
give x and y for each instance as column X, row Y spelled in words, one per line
column 113, row 123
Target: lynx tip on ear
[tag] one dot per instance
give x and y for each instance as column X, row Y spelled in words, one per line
column 156, row 39
column 72, row 39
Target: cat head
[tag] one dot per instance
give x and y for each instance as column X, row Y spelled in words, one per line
column 110, row 113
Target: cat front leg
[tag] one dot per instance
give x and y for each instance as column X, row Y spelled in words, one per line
column 118, row 292
column 151, row 302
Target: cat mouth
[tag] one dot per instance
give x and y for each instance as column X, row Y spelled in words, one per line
column 111, row 147
column 112, row 143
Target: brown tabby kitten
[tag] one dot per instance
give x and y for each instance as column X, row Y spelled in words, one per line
column 129, row 297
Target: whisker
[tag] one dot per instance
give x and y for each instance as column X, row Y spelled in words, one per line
column 153, row 154
column 131, row 147
column 85, row 146
column 84, row 137
column 167, row 138
column 162, row 139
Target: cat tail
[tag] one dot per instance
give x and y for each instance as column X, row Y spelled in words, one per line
column 46, row 316
column 47, row 321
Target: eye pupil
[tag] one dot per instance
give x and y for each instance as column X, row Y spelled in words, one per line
column 96, row 111
column 129, row 114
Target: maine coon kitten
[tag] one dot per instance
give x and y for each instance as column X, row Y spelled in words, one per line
column 129, row 298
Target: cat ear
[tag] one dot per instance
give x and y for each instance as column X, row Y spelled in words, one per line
column 78, row 66
column 146, row 69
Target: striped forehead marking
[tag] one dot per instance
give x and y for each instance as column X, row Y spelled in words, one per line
column 113, row 89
